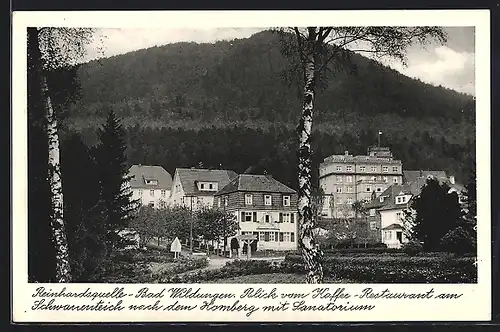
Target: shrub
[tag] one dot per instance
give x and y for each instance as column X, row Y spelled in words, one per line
column 183, row 265
column 362, row 251
column 458, row 241
column 383, row 269
column 413, row 248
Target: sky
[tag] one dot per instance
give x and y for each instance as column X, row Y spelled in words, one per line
column 450, row 65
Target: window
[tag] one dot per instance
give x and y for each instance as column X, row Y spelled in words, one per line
column 286, row 217
column 385, row 169
column 248, row 216
column 286, row 200
column 374, row 178
column 339, row 179
column 266, row 236
column 372, row 212
column 267, row 218
column 348, row 168
column 395, row 179
column 386, row 179
column 395, row 168
column 226, row 199
column 373, row 225
column 398, row 216
column 211, row 186
column 282, row 236
column 262, row 236
column 379, row 189
column 248, row 199
column 292, row 217
column 140, row 192
column 387, row 235
column 349, row 189
column 292, row 237
column 374, row 168
column 362, row 168
column 349, row 201
column 163, row 192
column 339, row 168
column 349, row 179
column 286, row 237
column 151, row 204
column 267, row 200
column 368, row 189
column 339, row 190
column 152, row 193
column 271, row 236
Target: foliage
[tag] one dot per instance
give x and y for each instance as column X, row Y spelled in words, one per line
column 459, row 241
column 437, row 212
column 110, row 154
column 389, row 269
column 412, row 248
column 215, row 224
column 83, row 209
column 182, row 265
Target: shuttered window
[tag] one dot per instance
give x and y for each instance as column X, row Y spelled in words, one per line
column 276, row 236
column 255, row 217
column 292, row 237
column 266, row 236
column 292, row 217
column 281, row 237
column 281, row 217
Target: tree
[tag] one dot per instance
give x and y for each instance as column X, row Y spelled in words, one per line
column 148, row 223
column 317, row 47
column 113, row 176
column 215, row 225
column 437, row 212
column 82, row 208
column 50, row 51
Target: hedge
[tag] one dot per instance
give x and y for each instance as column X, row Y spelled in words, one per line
column 402, row 269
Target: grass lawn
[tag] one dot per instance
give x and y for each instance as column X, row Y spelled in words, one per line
column 270, row 278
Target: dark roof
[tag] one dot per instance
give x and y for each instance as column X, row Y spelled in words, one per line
column 189, row 177
column 389, row 196
column 259, row 183
column 418, row 178
column 139, row 173
column 393, row 226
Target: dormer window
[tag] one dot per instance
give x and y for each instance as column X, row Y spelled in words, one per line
column 401, row 199
column 151, row 182
column 267, row 200
column 381, row 199
column 207, row 186
column 286, row 200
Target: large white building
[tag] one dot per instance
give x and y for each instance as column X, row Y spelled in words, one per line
column 264, row 208
column 195, row 187
column 150, row 185
column 346, row 179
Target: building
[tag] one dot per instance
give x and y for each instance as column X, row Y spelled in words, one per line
column 150, row 185
column 196, row 187
column 419, row 177
column 346, row 179
column 387, row 212
column 265, row 208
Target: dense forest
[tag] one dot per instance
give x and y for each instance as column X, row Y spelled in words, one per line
column 235, row 105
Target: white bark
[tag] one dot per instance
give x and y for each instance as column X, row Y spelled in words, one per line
column 307, row 244
column 63, row 271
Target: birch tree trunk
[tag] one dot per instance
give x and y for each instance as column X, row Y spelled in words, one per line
column 310, row 252
column 63, row 271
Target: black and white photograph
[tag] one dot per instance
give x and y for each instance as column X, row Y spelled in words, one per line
column 329, row 154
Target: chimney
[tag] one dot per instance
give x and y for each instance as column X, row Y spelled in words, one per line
column 452, row 179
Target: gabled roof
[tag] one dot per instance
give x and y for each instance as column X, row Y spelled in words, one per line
column 190, row 176
column 392, row 226
column 140, row 173
column 256, row 183
column 389, row 195
column 418, row 178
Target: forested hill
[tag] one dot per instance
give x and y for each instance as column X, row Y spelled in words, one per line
column 174, row 98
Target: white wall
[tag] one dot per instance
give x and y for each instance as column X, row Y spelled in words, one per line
column 151, row 196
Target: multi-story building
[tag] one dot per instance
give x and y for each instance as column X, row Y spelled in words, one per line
column 265, row 208
column 150, row 185
column 195, row 187
column 346, row 179
column 387, row 213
